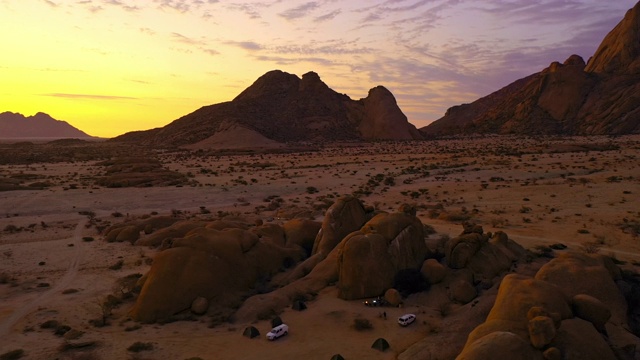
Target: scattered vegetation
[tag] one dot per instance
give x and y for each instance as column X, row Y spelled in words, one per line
column 140, row 346
column 361, row 324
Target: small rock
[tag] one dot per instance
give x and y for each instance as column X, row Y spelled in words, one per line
column 552, row 353
column 542, row 330
column 433, row 271
column 591, row 309
column 199, row 306
column 462, row 291
column 393, row 297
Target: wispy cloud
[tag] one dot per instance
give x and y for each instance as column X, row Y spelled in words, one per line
column 51, row 3
column 247, row 45
column 300, row 11
column 328, row 16
column 89, row 96
column 121, row 4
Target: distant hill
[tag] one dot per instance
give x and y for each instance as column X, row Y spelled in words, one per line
column 40, row 125
column 573, row 98
column 280, row 107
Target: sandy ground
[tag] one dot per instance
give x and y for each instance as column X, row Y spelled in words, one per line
column 579, row 192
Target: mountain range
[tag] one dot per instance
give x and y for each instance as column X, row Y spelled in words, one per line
column 599, row 97
column 40, row 125
column 280, row 107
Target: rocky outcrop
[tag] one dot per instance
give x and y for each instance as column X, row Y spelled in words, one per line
column 219, row 266
column 396, row 239
column 370, row 259
column 280, row 107
column 565, row 309
column 601, row 97
column 382, row 117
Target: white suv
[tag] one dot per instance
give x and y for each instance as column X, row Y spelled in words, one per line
column 406, row 319
column 278, row 331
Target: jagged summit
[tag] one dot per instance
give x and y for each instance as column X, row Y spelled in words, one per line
column 573, row 98
column 282, row 107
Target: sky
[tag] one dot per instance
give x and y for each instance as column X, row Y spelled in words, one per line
column 112, row 66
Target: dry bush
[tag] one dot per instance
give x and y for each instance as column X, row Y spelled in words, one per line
column 591, row 247
column 361, row 324
column 139, row 346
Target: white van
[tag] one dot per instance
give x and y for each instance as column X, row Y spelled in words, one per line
column 406, row 319
column 278, row 331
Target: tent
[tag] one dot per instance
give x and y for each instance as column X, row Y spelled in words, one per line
column 337, row 357
column 251, row 332
column 276, row 321
column 380, row 344
column 299, row 305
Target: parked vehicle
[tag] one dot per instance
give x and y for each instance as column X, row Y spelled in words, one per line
column 406, row 319
column 278, row 331
column 379, row 301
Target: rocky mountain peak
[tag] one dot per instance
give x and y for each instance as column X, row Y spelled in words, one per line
column 574, row 60
column 272, row 83
column 619, row 52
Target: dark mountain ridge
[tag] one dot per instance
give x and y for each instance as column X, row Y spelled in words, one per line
column 601, row 97
column 40, row 125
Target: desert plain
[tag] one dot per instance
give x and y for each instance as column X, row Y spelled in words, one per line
column 57, row 269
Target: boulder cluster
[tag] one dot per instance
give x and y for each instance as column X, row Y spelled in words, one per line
column 570, row 309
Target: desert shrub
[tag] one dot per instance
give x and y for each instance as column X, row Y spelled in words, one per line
column 117, row 265
column 133, row 327
column 361, row 324
column 50, row 324
column 140, row 346
column 454, row 216
column 591, row 247
column 12, row 355
column 311, row 190
column 11, row 228
column 428, row 229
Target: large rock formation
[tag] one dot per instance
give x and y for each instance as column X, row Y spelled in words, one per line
column 217, row 265
column 280, row 107
column 566, row 309
column 40, row 125
column 369, row 259
column 601, row 97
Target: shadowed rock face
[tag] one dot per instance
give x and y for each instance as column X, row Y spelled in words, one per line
column 285, row 108
column 602, row 97
column 569, row 301
column 369, row 259
column 217, row 265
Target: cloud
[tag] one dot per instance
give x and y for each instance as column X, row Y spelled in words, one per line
column 89, row 96
column 247, row 45
column 122, row 5
column 285, row 61
column 300, row 11
column 332, row 47
column 177, row 37
column 51, row 3
column 327, row 16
